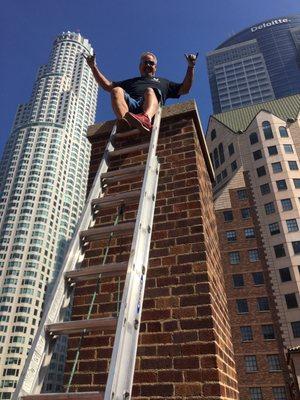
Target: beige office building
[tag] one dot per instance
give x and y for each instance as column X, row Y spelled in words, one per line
column 256, row 155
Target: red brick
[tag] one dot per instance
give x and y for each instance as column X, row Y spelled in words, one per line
column 156, row 363
column 186, row 363
column 162, row 390
column 170, row 376
column 188, row 389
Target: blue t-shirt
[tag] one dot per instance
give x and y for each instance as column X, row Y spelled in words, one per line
column 136, row 87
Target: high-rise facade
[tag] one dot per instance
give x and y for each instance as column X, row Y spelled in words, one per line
column 256, row 155
column 258, row 64
column 43, row 181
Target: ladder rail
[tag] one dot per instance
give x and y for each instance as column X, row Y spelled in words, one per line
column 34, row 370
column 121, row 372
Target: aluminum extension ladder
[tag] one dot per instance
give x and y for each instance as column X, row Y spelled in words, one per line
column 121, row 371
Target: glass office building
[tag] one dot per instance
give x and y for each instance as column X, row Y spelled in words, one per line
column 258, row 64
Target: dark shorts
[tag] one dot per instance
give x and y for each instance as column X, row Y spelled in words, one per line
column 136, row 105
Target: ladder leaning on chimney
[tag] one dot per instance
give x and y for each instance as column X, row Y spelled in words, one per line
column 121, row 371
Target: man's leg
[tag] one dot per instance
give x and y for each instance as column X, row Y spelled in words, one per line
column 150, row 105
column 118, row 102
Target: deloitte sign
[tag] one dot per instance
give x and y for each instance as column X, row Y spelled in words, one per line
column 270, row 23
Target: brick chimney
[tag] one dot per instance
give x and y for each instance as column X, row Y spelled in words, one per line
column 185, row 347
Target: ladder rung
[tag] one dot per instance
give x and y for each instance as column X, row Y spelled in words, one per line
column 116, row 199
column 123, row 173
column 105, row 231
column 128, row 150
column 127, row 134
column 114, row 269
column 65, row 396
column 97, row 324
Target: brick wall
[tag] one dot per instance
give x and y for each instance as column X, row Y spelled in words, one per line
column 262, row 379
column 185, row 348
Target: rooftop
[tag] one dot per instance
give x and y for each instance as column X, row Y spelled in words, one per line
column 240, row 118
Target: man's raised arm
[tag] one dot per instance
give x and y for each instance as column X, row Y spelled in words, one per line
column 189, row 76
column 100, row 78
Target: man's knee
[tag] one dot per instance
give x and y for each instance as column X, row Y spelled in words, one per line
column 117, row 92
column 149, row 91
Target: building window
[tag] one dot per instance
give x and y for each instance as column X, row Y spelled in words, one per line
column 253, row 255
column 279, row 250
column 285, row 274
column 272, row 150
column 258, row 278
column 253, row 138
column 261, row 171
column 296, row 329
column 288, row 148
column 255, row 393
column 238, row 280
column 231, row 149
column 263, row 304
column 291, row 300
column 231, row 236
column 269, row 208
column 283, row 132
column 246, row 333
column 233, row 166
column 276, row 167
column 221, row 153
column 265, row 189
column 292, row 225
column 296, row 247
column 213, row 134
column 293, row 166
column 257, row 154
column 286, row 204
column 274, row 362
column 297, row 183
column 281, row 184
column 228, row 215
column 279, row 393
column 268, row 332
column 242, row 194
column 234, row 257
column 245, row 213
column 250, row 364
column 267, row 130
column 224, row 173
column 249, row 233
column 242, row 306
column 274, row 228
column 216, row 158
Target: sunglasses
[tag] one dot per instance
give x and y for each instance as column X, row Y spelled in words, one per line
column 148, row 62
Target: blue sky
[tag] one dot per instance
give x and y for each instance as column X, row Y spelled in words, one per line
column 120, row 31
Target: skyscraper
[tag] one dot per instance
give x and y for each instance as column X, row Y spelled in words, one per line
column 258, row 64
column 42, row 192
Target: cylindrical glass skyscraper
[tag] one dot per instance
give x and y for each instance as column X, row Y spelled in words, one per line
column 258, row 64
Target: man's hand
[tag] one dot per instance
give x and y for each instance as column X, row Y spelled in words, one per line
column 191, row 59
column 91, row 60
column 105, row 83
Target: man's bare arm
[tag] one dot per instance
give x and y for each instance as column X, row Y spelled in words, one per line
column 189, row 76
column 100, row 78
